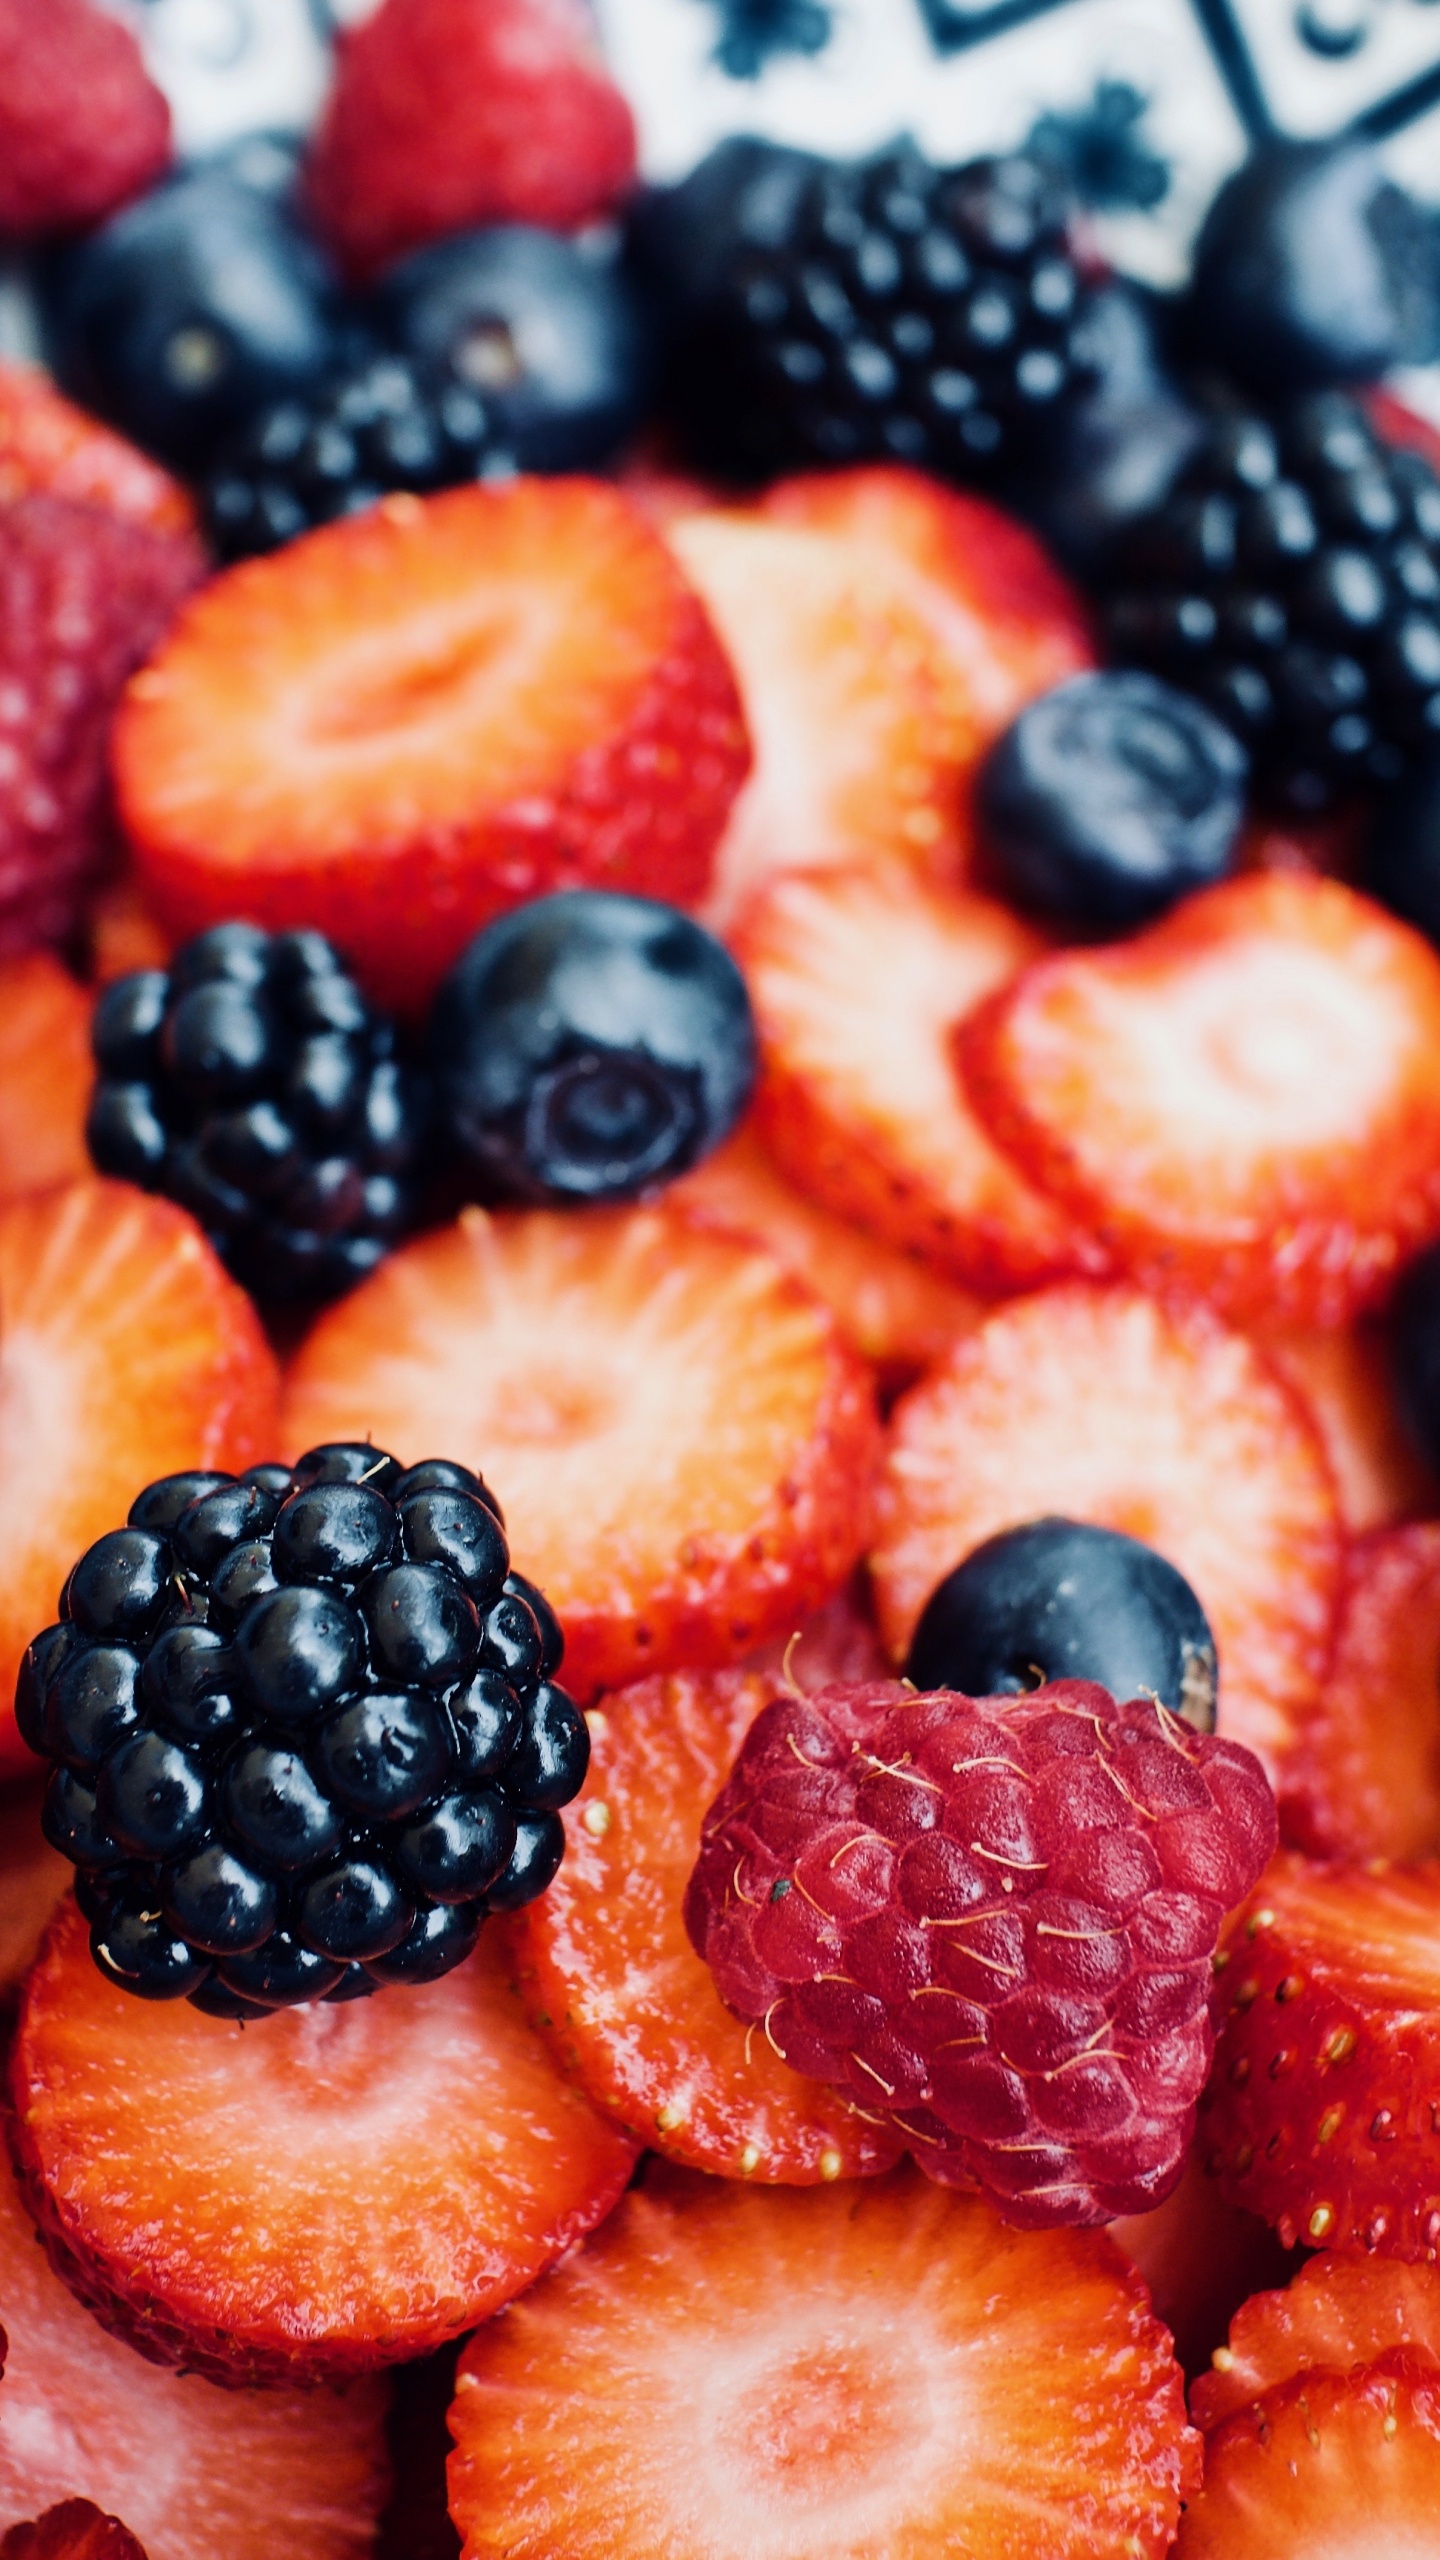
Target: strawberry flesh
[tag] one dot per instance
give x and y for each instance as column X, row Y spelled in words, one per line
column 1339, row 2312
column 1327, row 2462
column 1364, row 1780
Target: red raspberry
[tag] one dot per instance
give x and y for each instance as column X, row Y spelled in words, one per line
column 82, row 127
column 989, row 1922
column 84, row 596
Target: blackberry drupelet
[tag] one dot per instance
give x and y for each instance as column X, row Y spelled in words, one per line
column 1291, row 577
column 842, row 311
column 304, row 1730
column 253, row 1083
column 395, row 423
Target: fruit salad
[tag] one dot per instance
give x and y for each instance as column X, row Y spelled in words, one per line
column 719, row 1338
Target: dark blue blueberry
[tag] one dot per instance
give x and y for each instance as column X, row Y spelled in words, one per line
column 553, row 1753
column 40, row 1666
column 591, row 1044
column 461, row 1532
column 533, row 1863
column 1415, row 1351
column 118, row 1585
column 333, row 1533
column 550, row 333
column 455, row 1851
column 487, row 1718
column 424, row 1628
column 552, row 1634
column 136, row 1949
column 383, row 1755
column 220, row 1903
column 1063, row 1600
column 282, row 1974
column 299, row 1651
column 354, row 1911
column 276, row 1810
column 1108, row 799
column 151, row 1796
column 160, row 1505
column 91, row 1703
column 71, row 1822
column 211, row 1527
column 244, row 1576
column 125, row 1026
column 437, row 1940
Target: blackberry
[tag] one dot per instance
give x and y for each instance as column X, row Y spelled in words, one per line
column 304, row 1731
column 253, row 1083
column 1291, row 577
column 395, row 423
column 836, row 312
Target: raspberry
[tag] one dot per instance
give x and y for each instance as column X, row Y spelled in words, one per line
column 82, row 128
column 989, row 1922
column 84, row 596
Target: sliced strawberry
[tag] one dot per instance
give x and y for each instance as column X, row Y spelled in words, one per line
column 1364, row 1779
column 839, row 1642
column 612, row 1981
column 125, row 932
column 45, row 1074
column 1327, row 2463
column 73, row 2530
column 1243, row 1098
column 683, row 1445
column 896, row 1311
column 884, row 2372
column 1339, row 2312
column 33, row 1876
column 1201, row 2256
column 196, row 2472
column 858, row 978
column 1345, row 1378
column 126, row 1352
column 1320, row 2109
column 47, row 443
column 417, row 717
column 331, row 2189
column 1101, row 1404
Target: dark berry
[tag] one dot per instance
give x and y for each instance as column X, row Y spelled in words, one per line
column 552, row 1634
column 160, row 1505
column 458, row 1530
column 384, row 1754
column 487, row 1718
column 136, row 1948
column 1400, row 862
column 1118, row 445
column 71, row 1822
column 91, row 1703
column 299, row 1650
column 275, row 1809
column 1063, row 1600
column 1108, row 799
column 456, row 1850
column 1415, row 1350
column 189, row 1684
column 245, row 1575
column 39, row 1666
column 348, row 1462
column 118, row 1585
column 280, row 1974
column 151, row 1797
column 549, row 333
column 423, row 1626
column 213, row 2000
column 439, row 1938
column 553, row 1753
column 212, row 1525
column 253, row 1083
column 534, row 1860
column 333, row 1533
column 353, row 1911
column 590, row 1044
column 223, row 1906
column 443, row 1475
column 511, row 1642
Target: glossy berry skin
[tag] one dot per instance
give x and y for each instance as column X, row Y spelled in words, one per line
column 590, row 1044
column 190, row 310
column 1120, row 442
column 1109, row 798
column 553, row 336
column 302, row 1730
column 1064, row 1600
column 1313, row 269
column 988, row 1922
column 253, row 1083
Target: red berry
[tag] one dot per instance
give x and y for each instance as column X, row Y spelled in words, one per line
column 82, row 126
column 448, row 113
column 1327, row 2462
column 989, row 1923
column 1364, row 1778
column 46, row 1074
column 46, row 443
column 1338, row 2312
column 74, row 2530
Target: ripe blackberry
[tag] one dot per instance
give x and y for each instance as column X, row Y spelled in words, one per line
column 304, row 1731
column 843, row 311
column 253, row 1083
column 1292, row 578
column 396, row 423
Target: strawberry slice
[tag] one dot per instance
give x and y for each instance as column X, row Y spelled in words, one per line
column 33, row 1877
column 1101, row 1404
column 612, row 1981
column 884, row 2372
column 1201, row 2257
column 897, row 1312
column 1319, row 2111
column 1327, row 2463
column 1243, row 1098
column 45, row 1074
column 126, row 1353
column 417, row 717
column 1347, row 1382
column 858, row 978
column 125, row 932
column 683, row 1444
column 196, row 2472
column 1338, row 2313
column 1364, row 1779
column 74, row 2530
column 336, row 2189
column 47, row 443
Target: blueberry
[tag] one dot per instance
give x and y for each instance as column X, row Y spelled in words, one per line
column 1063, row 1600
column 353, row 1911
column 590, row 1044
column 118, row 1585
column 299, row 1650
column 136, row 1948
column 550, row 333
column 276, row 1810
column 185, row 312
column 1313, row 268
column 383, row 1755
column 223, row 1906
column 335, row 1533
column 1109, row 798
column 553, row 1753
column 1400, row 863
column 437, row 1940
column 151, row 1796
column 91, row 1703
column 211, row 1526
column 459, row 1847
column 533, row 1863
column 457, row 1530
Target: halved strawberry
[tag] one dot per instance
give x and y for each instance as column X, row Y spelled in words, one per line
column 1242, row 1098
column 47, row 443
column 1338, row 2312
column 1201, row 2257
column 683, row 1444
column 33, row 1877
column 73, row 2530
column 892, row 1308
column 126, row 1352
column 1320, row 2113
column 1346, row 1380
column 1102, row 1404
column 125, row 932
column 327, row 2190
column 610, row 1977
column 1364, row 1778
column 196, row 2472
column 858, row 978
column 414, row 718
column 885, row 2372
column 1327, row 2463
column 45, row 1074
